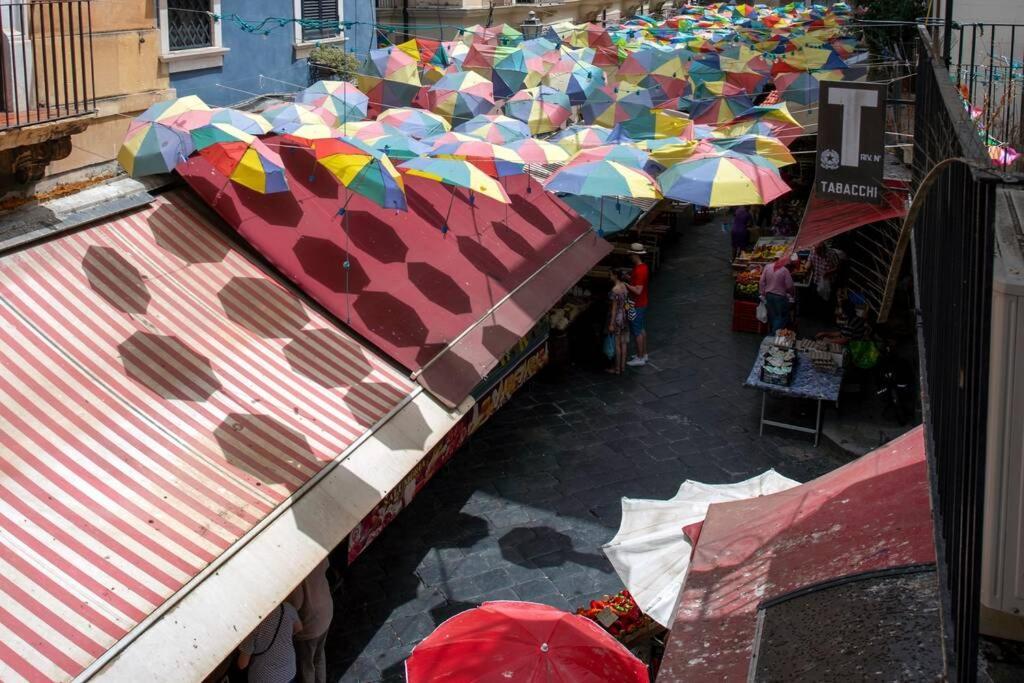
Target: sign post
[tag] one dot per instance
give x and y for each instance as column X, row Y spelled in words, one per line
column 851, row 142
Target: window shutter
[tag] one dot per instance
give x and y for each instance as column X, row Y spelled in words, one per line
column 320, row 10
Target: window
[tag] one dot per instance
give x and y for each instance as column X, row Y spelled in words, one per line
column 189, row 26
column 319, row 10
column 189, row 37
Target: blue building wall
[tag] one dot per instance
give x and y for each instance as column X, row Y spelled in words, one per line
column 261, row 64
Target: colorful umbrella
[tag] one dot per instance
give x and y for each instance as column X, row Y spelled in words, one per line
column 170, row 112
column 603, row 179
column 575, row 138
column 390, row 78
column 614, row 104
column 246, row 160
column 297, row 119
column 769, row 148
column 254, row 124
column 575, row 78
column 726, row 179
column 415, row 122
column 456, row 173
column 343, row 101
column 152, row 147
column 718, row 110
column 536, row 151
column 494, row 128
column 362, row 170
column 621, row 154
column 460, row 96
column 668, row 151
column 521, row 641
column 803, row 87
column 393, row 142
column 543, row 109
column 656, row 123
column 504, row 67
column 494, row 160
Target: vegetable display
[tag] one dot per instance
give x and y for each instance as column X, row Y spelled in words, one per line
column 628, row 617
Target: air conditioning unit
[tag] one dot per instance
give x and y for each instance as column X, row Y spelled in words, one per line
column 1002, row 580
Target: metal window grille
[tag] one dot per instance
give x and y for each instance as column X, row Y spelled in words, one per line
column 322, row 11
column 190, row 25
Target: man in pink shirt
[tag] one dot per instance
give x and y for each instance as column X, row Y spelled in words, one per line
column 778, row 292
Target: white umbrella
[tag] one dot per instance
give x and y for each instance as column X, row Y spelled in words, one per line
column 651, row 554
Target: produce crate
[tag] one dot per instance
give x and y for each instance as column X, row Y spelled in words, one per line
column 744, row 318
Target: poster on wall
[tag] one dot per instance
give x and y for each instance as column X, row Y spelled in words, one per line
column 851, row 141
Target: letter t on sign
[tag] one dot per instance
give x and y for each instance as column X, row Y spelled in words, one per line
column 851, row 101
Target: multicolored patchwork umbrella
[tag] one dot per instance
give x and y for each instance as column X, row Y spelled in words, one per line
column 777, row 118
column 621, row 154
column 343, row 101
column 297, row 119
column 763, row 146
column 170, row 111
column 718, row 110
column 254, row 124
column 456, row 173
column 415, row 122
column 542, row 109
column 536, row 151
column 494, row 128
column 726, row 179
column 603, row 178
column 575, row 138
column 503, row 66
column 246, row 161
column 362, row 170
column 669, row 151
column 152, row 147
column 390, row 78
column 494, row 160
column 656, row 123
column 576, row 79
column 392, row 142
column 614, row 104
column 803, row 87
column 460, row 96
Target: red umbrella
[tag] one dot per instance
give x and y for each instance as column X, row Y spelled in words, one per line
column 522, row 641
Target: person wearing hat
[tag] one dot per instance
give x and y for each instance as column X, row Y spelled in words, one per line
column 638, row 311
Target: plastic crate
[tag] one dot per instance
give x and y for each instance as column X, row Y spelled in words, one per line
column 744, row 318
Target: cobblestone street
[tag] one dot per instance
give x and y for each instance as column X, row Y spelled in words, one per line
column 522, row 511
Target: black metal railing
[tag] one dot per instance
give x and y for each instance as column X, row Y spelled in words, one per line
column 986, row 61
column 955, row 182
column 46, row 61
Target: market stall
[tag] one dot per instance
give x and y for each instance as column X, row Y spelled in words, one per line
column 622, row 618
column 791, row 368
column 747, row 267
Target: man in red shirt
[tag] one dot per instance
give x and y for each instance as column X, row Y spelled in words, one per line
column 638, row 311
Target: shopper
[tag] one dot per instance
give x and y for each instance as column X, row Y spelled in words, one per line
column 740, row 233
column 617, row 302
column 267, row 655
column 824, row 267
column 315, row 608
column 778, row 292
column 637, row 311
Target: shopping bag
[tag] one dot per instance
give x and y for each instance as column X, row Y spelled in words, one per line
column 609, row 346
column 762, row 313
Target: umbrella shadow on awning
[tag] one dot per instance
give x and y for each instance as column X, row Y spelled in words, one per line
column 439, row 288
column 513, row 240
column 266, row 449
column 168, row 367
column 391, row 319
column 323, row 260
column 530, row 213
column 307, row 354
column 115, row 280
column 263, row 307
column 172, row 237
column 376, row 238
column 482, row 258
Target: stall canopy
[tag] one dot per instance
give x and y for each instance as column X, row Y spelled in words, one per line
column 167, row 395
column 826, row 218
column 444, row 304
column 868, row 516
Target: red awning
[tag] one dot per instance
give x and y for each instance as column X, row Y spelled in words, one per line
column 826, row 218
column 871, row 514
column 412, row 290
column 164, row 395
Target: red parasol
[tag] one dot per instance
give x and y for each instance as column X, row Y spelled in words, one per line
column 522, row 641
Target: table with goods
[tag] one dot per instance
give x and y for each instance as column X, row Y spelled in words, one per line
column 787, row 367
column 621, row 617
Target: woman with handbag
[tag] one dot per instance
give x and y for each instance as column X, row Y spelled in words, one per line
column 617, row 338
column 268, row 655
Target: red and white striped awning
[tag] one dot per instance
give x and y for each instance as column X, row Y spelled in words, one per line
column 162, row 395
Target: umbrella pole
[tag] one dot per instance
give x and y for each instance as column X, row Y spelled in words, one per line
column 444, row 228
column 346, row 264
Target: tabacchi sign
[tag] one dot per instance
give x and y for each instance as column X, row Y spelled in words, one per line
column 851, row 142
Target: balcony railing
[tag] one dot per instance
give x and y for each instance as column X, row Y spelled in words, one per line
column 46, row 61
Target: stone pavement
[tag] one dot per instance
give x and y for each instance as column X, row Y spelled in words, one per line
column 521, row 512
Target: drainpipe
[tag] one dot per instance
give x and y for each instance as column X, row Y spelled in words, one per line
column 946, row 44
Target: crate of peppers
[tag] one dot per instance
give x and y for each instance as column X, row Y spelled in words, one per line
column 620, row 616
